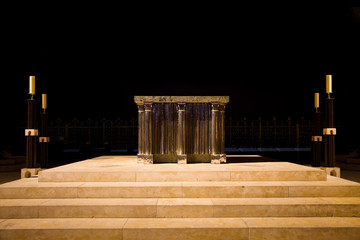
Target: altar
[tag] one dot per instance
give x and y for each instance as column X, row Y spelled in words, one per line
column 181, row 129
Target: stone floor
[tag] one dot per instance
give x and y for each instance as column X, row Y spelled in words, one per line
column 126, row 169
column 12, row 176
column 345, row 174
column 115, row 198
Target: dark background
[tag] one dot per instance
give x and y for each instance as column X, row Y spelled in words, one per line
column 269, row 59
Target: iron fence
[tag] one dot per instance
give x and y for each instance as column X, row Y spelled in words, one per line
column 122, row 136
column 273, row 133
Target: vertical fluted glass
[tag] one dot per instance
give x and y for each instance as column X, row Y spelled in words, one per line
column 148, row 134
column 140, row 132
column 222, row 133
column 181, row 133
column 215, row 155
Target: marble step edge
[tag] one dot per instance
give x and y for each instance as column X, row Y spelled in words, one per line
column 319, row 228
column 30, row 188
column 179, row 207
column 173, row 176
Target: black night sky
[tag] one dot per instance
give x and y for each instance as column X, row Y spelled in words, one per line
column 269, row 59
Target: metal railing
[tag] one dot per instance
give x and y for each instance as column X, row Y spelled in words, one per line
column 275, row 133
column 121, row 135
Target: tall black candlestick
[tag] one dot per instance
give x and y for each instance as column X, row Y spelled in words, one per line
column 31, row 134
column 44, row 140
column 316, row 139
column 329, row 133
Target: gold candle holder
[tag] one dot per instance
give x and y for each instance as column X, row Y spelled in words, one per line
column 316, row 100
column 328, row 84
column 44, row 101
column 32, row 85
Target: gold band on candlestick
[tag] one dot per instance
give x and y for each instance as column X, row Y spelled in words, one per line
column 44, row 101
column 316, row 138
column 316, row 100
column 329, row 131
column 32, row 85
column 328, row 84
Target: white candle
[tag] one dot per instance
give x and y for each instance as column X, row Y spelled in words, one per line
column 316, row 104
column 32, row 85
column 328, row 84
column 44, row 101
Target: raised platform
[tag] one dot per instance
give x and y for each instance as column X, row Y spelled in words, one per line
column 126, row 169
column 249, row 201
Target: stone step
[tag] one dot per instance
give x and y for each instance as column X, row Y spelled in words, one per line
column 285, row 228
column 113, row 170
column 31, row 188
column 179, row 207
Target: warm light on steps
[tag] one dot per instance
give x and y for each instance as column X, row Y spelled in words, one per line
column 325, row 228
column 211, row 205
column 179, row 207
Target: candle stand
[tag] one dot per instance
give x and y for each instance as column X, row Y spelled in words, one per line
column 31, row 134
column 329, row 133
column 44, row 140
column 316, row 139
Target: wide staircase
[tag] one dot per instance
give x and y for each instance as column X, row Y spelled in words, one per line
column 114, row 198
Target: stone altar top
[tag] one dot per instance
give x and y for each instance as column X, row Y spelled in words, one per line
column 184, row 99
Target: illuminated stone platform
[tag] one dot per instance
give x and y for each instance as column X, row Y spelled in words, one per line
column 150, row 204
column 126, row 169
